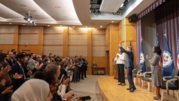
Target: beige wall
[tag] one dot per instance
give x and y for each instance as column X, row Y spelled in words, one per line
column 148, row 34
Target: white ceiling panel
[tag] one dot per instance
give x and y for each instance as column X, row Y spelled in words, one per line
column 58, row 9
column 111, row 5
column 7, row 13
column 23, row 6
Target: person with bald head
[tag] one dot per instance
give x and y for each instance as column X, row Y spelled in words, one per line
column 11, row 61
column 129, row 63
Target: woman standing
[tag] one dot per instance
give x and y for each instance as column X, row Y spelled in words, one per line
column 156, row 70
column 120, row 65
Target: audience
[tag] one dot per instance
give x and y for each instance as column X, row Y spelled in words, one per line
column 52, row 74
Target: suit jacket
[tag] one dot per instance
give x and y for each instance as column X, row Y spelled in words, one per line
column 4, row 62
column 129, row 63
column 17, row 82
column 31, row 64
column 11, row 62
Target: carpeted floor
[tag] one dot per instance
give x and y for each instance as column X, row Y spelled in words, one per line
column 87, row 87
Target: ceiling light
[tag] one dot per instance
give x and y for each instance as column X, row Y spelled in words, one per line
column 10, row 23
column 35, row 24
column 112, row 21
column 48, row 25
column 23, row 24
column 28, row 18
column 73, row 26
column 101, row 26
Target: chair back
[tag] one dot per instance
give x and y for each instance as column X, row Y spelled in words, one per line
column 174, row 73
column 138, row 68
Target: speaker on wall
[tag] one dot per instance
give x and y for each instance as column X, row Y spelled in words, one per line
column 133, row 18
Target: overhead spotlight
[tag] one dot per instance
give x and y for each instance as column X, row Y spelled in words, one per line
column 28, row 18
column 112, row 21
column 10, row 23
column 101, row 26
column 48, row 25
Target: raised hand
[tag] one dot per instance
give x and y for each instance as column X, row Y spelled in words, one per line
column 36, row 65
column 17, row 76
column 29, row 73
column 147, row 57
column 8, row 90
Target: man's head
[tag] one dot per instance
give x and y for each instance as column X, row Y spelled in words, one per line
column 129, row 48
column 76, row 57
column 81, row 57
column 38, row 57
column 6, row 57
column 11, row 54
column 52, row 80
column 20, row 58
column 54, row 69
column 32, row 55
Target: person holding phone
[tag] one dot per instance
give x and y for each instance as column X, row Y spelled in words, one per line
column 120, row 65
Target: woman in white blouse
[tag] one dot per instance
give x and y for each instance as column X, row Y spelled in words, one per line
column 120, row 65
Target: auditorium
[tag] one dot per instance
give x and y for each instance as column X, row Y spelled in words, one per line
column 89, row 50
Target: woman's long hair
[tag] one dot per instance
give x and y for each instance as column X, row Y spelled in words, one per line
column 157, row 50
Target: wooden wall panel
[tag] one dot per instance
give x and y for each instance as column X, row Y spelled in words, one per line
column 98, row 31
column 7, row 29
column 55, row 50
column 53, row 30
column 77, row 30
column 24, row 29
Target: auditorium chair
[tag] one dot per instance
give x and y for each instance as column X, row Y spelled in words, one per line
column 147, row 78
column 170, row 83
column 137, row 71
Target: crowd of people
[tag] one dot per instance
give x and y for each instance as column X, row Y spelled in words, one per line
column 32, row 77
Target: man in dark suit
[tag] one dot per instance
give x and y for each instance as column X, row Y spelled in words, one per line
column 11, row 61
column 5, row 59
column 81, row 69
column 129, row 65
column 18, row 72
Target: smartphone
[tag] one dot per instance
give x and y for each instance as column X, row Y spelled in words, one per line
column 61, row 79
column 85, row 98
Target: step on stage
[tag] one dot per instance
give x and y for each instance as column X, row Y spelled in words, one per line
column 111, row 91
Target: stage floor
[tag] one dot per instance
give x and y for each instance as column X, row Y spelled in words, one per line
column 111, row 91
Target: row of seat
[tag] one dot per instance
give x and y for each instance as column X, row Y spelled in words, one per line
column 169, row 82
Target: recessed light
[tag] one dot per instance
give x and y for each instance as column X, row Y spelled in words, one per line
column 10, row 23
column 73, row 26
column 48, row 25
column 57, row 7
column 35, row 24
column 112, row 21
column 101, row 26
column 23, row 24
